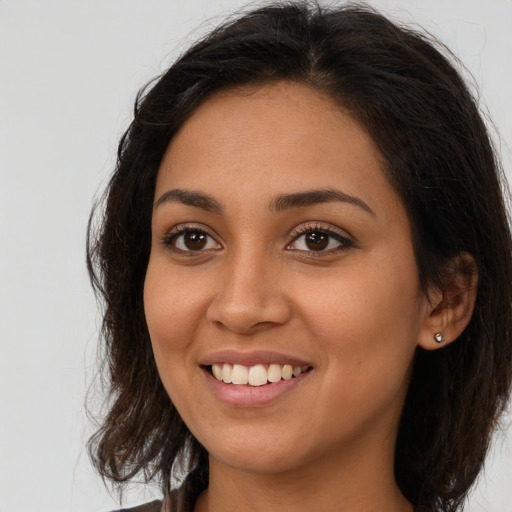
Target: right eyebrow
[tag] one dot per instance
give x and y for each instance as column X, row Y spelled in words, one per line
column 312, row 197
column 190, row 198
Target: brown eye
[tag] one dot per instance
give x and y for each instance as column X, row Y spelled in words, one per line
column 316, row 241
column 319, row 240
column 195, row 240
column 191, row 240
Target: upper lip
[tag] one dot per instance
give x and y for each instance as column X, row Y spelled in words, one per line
column 252, row 358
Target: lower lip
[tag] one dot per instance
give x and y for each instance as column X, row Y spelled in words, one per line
column 252, row 396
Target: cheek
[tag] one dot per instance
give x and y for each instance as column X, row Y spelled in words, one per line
column 367, row 362
column 367, row 320
column 361, row 300
column 171, row 314
column 172, row 319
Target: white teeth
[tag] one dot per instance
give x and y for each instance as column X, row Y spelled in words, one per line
column 227, row 369
column 274, row 373
column 287, row 372
column 256, row 375
column 240, row 375
column 217, row 371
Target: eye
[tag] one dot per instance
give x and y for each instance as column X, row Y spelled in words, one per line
column 318, row 239
column 190, row 239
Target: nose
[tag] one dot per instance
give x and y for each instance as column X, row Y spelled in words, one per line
column 249, row 296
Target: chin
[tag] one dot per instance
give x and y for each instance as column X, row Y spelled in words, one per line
column 255, row 453
column 258, row 462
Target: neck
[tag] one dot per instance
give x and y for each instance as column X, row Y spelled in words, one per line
column 331, row 484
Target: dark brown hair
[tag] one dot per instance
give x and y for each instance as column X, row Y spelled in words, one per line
column 414, row 104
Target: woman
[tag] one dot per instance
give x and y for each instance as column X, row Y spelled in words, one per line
column 306, row 265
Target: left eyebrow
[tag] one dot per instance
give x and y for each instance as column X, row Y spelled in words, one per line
column 190, row 198
column 312, row 197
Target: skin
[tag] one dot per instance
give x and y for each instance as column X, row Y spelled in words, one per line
column 354, row 311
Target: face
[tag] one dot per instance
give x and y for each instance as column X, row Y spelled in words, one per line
column 282, row 256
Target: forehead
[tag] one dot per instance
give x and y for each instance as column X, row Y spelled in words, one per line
column 263, row 141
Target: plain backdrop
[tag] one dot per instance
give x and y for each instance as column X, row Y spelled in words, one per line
column 69, row 72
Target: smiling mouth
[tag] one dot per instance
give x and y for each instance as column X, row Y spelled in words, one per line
column 256, row 375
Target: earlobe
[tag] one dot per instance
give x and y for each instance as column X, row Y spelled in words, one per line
column 452, row 307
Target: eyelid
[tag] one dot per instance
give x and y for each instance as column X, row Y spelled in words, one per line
column 179, row 229
column 346, row 240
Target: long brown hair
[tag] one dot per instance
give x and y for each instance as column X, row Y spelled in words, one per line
column 438, row 155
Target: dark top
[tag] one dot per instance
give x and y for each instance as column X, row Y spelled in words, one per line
column 180, row 500
column 154, row 506
column 176, row 502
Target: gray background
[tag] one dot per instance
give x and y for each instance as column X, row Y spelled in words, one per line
column 69, row 71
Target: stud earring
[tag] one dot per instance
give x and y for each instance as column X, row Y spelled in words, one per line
column 439, row 338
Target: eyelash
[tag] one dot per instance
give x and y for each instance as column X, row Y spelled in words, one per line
column 305, row 229
column 169, row 240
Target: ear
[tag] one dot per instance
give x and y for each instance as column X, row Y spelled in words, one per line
column 450, row 308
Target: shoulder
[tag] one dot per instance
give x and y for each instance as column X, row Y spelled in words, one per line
column 153, row 506
column 178, row 500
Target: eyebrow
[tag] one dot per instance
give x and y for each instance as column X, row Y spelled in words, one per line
column 312, row 197
column 281, row 203
column 190, row 198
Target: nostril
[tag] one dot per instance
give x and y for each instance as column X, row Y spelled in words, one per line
column 245, row 308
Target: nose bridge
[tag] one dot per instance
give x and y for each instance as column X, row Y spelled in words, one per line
column 248, row 295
